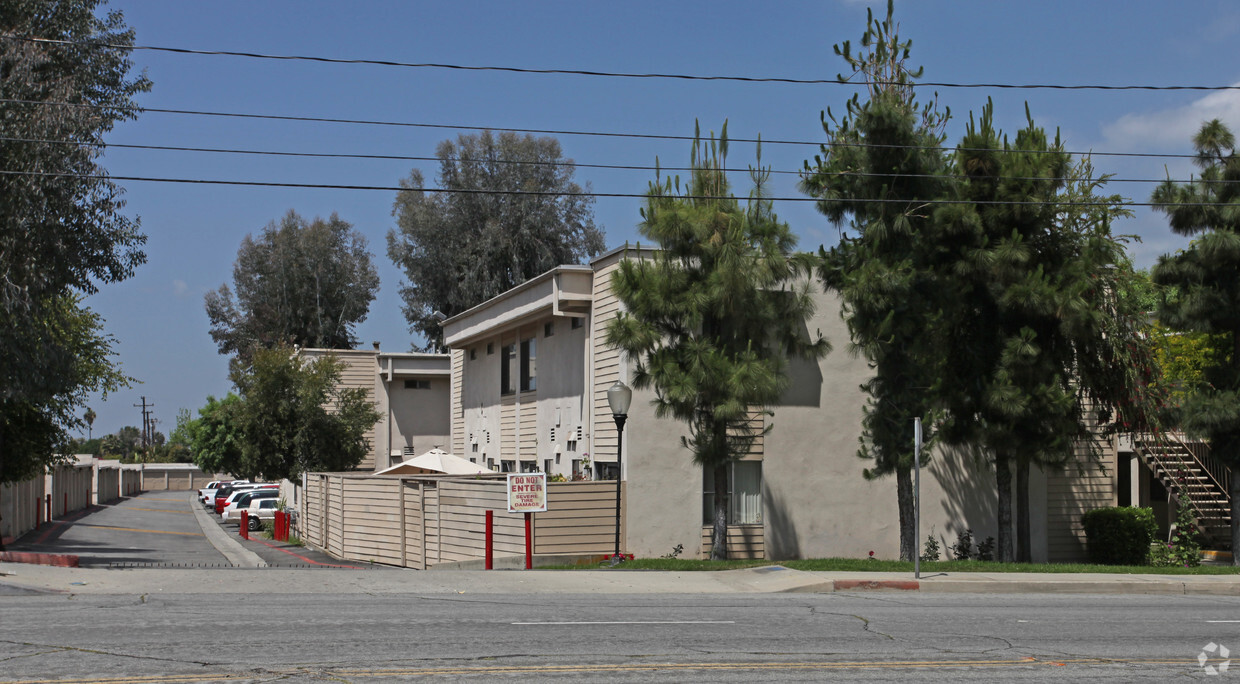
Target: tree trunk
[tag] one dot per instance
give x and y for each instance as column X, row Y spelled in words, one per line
column 2, row 481
column 1003, row 478
column 906, row 503
column 1023, row 554
column 1235, row 515
column 719, row 535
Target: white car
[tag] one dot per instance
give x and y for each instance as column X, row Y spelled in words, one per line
column 241, row 500
column 263, row 509
column 207, row 495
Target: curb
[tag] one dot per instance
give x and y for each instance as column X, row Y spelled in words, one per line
column 880, row 585
column 223, row 542
column 60, row 560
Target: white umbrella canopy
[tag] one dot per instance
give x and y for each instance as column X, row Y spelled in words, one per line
column 435, row 462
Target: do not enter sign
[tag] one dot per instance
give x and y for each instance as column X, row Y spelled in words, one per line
column 527, row 492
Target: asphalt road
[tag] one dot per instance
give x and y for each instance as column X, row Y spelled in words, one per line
column 168, row 529
column 727, row 638
column 152, row 528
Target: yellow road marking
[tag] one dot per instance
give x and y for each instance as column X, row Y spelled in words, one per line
column 131, row 529
column 159, row 510
column 151, row 679
column 643, row 667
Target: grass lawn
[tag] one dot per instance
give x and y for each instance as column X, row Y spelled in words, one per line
column 867, row 565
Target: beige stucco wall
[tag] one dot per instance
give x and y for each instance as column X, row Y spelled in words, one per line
column 816, row 501
column 419, row 417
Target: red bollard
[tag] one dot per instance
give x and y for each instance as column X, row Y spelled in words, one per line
column 529, row 541
column 490, row 538
column 277, row 527
column 245, row 524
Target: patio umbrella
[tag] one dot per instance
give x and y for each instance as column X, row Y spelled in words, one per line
column 436, row 462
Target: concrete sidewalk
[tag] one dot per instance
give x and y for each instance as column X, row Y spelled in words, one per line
column 771, row 579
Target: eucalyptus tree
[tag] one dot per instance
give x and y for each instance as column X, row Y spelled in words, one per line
column 1206, row 277
column 303, row 283
column 506, row 209
column 878, row 173
column 712, row 314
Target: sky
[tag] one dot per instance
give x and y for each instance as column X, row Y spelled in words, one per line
column 157, row 316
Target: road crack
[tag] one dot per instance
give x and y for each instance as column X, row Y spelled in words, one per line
column 92, row 651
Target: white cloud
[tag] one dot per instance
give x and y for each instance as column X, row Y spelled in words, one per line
column 1172, row 127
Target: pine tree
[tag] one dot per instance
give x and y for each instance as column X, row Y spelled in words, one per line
column 1034, row 330
column 881, row 164
column 1207, row 276
column 712, row 314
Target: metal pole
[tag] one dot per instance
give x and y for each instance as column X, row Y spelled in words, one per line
column 620, row 418
column 916, row 498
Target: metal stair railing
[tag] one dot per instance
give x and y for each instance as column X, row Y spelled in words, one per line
column 1147, row 444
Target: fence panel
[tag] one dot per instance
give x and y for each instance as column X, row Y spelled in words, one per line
column 18, row 503
column 421, row 521
column 371, row 530
column 107, row 485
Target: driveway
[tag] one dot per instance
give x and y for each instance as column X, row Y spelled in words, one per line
column 163, row 529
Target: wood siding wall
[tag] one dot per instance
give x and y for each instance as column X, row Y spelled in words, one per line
column 359, row 370
column 1082, row 486
column 418, row 521
column 456, row 401
column 18, row 502
column 527, row 426
column 744, row 542
column 606, row 363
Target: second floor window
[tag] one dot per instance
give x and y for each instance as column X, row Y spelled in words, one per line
column 508, row 369
column 529, row 375
column 519, row 371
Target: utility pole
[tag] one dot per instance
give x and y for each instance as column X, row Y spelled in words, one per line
column 146, row 424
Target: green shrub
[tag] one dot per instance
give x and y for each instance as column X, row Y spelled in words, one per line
column 1119, row 535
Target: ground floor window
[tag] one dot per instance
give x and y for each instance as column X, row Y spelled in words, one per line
column 608, row 471
column 507, row 466
column 745, row 490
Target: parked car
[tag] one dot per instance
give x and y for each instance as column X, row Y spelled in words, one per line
column 222, row 495
column 263, row 509
column 240, row 500
column 208, row 494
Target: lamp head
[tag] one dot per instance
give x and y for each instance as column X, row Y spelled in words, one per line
column 618, row 398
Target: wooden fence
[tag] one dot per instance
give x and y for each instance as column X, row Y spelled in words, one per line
column 70, row 487
column 131, row 481
column 21, row 507
column 422, row 521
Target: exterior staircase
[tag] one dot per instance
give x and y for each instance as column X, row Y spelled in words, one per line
column 1192, row 471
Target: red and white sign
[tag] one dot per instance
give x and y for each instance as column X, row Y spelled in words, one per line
column 527, row 492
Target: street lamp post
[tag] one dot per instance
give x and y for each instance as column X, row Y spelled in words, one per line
column 618, row 397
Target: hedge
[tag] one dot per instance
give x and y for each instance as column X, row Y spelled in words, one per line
column 1119, row 535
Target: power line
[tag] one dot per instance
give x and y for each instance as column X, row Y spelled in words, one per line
column 622, row 167
column 623, row 74
column 605, row 134
column 476, row 191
